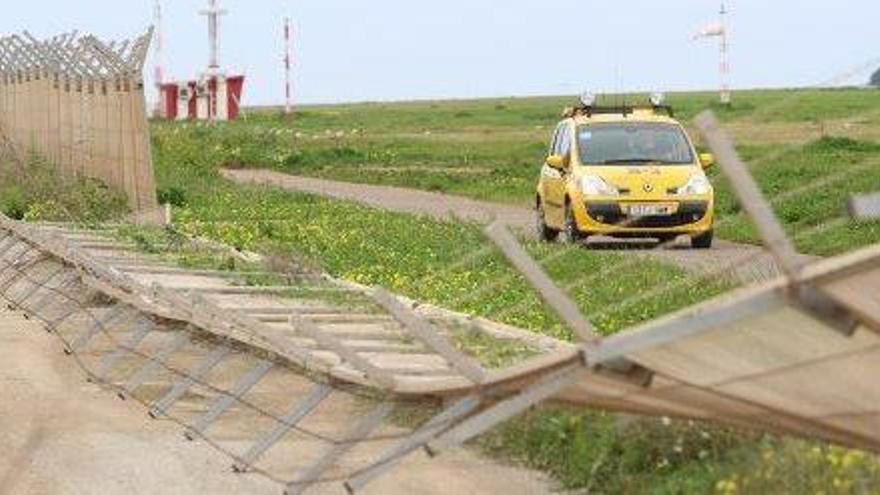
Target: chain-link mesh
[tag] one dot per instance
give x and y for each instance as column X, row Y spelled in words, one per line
column 292, row 426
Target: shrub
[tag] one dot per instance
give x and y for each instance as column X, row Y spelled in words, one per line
column 174, row 196
column 829, row 144
column 34, row 191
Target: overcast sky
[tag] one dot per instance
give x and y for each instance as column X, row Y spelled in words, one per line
column 353, row 50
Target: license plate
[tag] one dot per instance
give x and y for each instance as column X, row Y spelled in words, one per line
column 649, row 210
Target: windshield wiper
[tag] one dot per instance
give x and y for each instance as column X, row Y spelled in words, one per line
column 641, row 160
column 630, row 160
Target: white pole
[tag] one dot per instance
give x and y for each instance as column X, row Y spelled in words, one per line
column 213, row 14
column 725, row 59
column 159, row 74
column 213, row 36
column 160, row 44
column 288, row 50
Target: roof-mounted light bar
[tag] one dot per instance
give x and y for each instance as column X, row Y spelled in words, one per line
column 658, row 99
column 588, row 106
column 588, row 99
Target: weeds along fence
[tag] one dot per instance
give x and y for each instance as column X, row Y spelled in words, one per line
column 78, row 103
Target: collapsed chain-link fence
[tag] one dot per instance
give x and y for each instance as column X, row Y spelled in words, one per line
column 167, row 365
column 275, row 408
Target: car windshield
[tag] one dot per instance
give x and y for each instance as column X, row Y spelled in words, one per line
column 633, row 142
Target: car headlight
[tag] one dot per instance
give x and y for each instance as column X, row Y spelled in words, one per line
column 697, row 184
column 593, row 185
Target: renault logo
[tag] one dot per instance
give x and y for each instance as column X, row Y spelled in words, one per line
column 648, row 187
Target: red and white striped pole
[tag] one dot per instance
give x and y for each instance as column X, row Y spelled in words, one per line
column 288, row 62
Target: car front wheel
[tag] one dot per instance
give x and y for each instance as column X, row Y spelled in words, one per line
column 572, row 233
column 702, row 241
column 545, row 233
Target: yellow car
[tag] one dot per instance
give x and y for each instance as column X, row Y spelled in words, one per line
column 624, row 172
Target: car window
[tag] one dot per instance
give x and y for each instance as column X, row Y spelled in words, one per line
column 554, row 141
column 563, row 143
column 635, row 142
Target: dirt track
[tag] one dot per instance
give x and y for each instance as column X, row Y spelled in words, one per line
column 745, row 263
column 62, row 435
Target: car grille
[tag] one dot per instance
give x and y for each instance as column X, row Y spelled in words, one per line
column 611, row 214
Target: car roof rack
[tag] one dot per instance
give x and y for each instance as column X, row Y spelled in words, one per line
column 615, row 110
column 588, row 110
column 664, row 108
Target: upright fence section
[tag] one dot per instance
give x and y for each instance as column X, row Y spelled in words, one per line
column 78, row 102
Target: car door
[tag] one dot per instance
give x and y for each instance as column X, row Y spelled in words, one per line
column 555, row 180
column 545, row 174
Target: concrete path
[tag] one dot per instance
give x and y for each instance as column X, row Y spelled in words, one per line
column 62, row 435
column 743, row 262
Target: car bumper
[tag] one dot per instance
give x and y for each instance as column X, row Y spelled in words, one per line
column 610, row 218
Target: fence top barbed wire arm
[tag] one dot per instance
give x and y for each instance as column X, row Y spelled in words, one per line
column 13, row 64
column 139, row 51
column 83, row 61
column 70, row 55
column 6, row 61
column 92, row 60
column 60, row 48
column 67, row 52
column 8, row 56
column 111, row 64
column 18, row 57
column 26, row 59
column 51, row 62
column 55, row 52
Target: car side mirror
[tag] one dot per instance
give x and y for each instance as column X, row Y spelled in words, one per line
column 556, row 161
column 707, row 160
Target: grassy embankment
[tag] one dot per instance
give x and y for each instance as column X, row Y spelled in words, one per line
column 490, row 149
column 447, row 264
column 450, row 264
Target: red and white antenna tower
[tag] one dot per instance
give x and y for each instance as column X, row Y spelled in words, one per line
column 288, row 63
column 725, row 57
column 720, row 30
column 213, row 13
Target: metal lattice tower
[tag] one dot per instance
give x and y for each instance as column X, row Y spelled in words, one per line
column 213, row 13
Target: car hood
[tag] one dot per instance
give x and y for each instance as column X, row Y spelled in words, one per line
column 648, row 181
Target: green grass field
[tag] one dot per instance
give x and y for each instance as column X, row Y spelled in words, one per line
column 808, row 148
column 491, row 149
column 450, row 264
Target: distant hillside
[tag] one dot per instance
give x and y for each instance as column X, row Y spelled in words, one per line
column 875, row 79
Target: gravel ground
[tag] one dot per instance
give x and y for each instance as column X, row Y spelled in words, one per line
column 743, row 262
column 63, row 435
